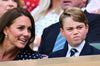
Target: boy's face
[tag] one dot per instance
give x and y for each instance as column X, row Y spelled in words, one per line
column 74, row 32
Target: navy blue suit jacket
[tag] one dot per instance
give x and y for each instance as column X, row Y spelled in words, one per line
column 48, row 39
column 50, row 34
column 93, row 35
column 87, row 50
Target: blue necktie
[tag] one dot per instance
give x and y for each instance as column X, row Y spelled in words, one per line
column 60, row 43
column 73, row 51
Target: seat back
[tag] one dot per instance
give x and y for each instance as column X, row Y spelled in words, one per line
column 96, row 45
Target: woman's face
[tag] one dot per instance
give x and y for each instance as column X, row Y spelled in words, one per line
column 6, row 5
column 19, row 32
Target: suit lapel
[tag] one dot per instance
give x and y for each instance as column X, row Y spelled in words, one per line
column 86, row 49
column 66, row 49
column 63, row 52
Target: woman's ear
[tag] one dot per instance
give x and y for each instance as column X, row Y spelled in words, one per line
column 5, row 30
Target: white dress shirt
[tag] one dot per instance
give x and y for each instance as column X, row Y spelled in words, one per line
column 79, row 49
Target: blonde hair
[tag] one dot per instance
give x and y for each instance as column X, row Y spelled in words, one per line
column 43, row 8
column 20, row 3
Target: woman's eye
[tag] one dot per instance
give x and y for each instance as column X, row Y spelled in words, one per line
column 15, row 0
column 20, row 28
column 12, row 0
column 29, row 29
column 4, row 0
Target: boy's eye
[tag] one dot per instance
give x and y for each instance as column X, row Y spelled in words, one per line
column 79, row 27
column 70, row 29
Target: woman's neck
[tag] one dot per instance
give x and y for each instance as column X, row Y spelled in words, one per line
column 55, row 3
column 8, row 53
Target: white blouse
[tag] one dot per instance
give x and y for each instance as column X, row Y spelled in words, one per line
column 46, row 21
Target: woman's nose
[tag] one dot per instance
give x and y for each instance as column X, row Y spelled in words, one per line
column 10, row 3
column 26, row 33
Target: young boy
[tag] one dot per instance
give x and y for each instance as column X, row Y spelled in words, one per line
column 74, row 27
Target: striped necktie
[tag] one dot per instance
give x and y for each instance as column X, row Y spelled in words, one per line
column 60, row 43
column 73, row 51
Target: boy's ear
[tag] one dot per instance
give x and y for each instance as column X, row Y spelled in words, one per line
column 62, row 32
column 87, row 28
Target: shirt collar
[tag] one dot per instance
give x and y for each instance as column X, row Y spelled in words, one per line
column 83, row 9
column 79, row 48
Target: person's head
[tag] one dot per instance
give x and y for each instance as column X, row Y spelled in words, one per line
column 73, row 3
column 18, row 27
column 46, row 7
column 47, row 4
column 74, row 25
column 6, row 5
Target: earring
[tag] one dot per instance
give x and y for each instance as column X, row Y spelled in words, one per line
column 6, row 36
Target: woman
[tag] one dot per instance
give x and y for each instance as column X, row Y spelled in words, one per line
column 6, row 5
column 47, row 14
column 16, row 33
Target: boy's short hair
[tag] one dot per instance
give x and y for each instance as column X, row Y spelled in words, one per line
column 75, row 13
